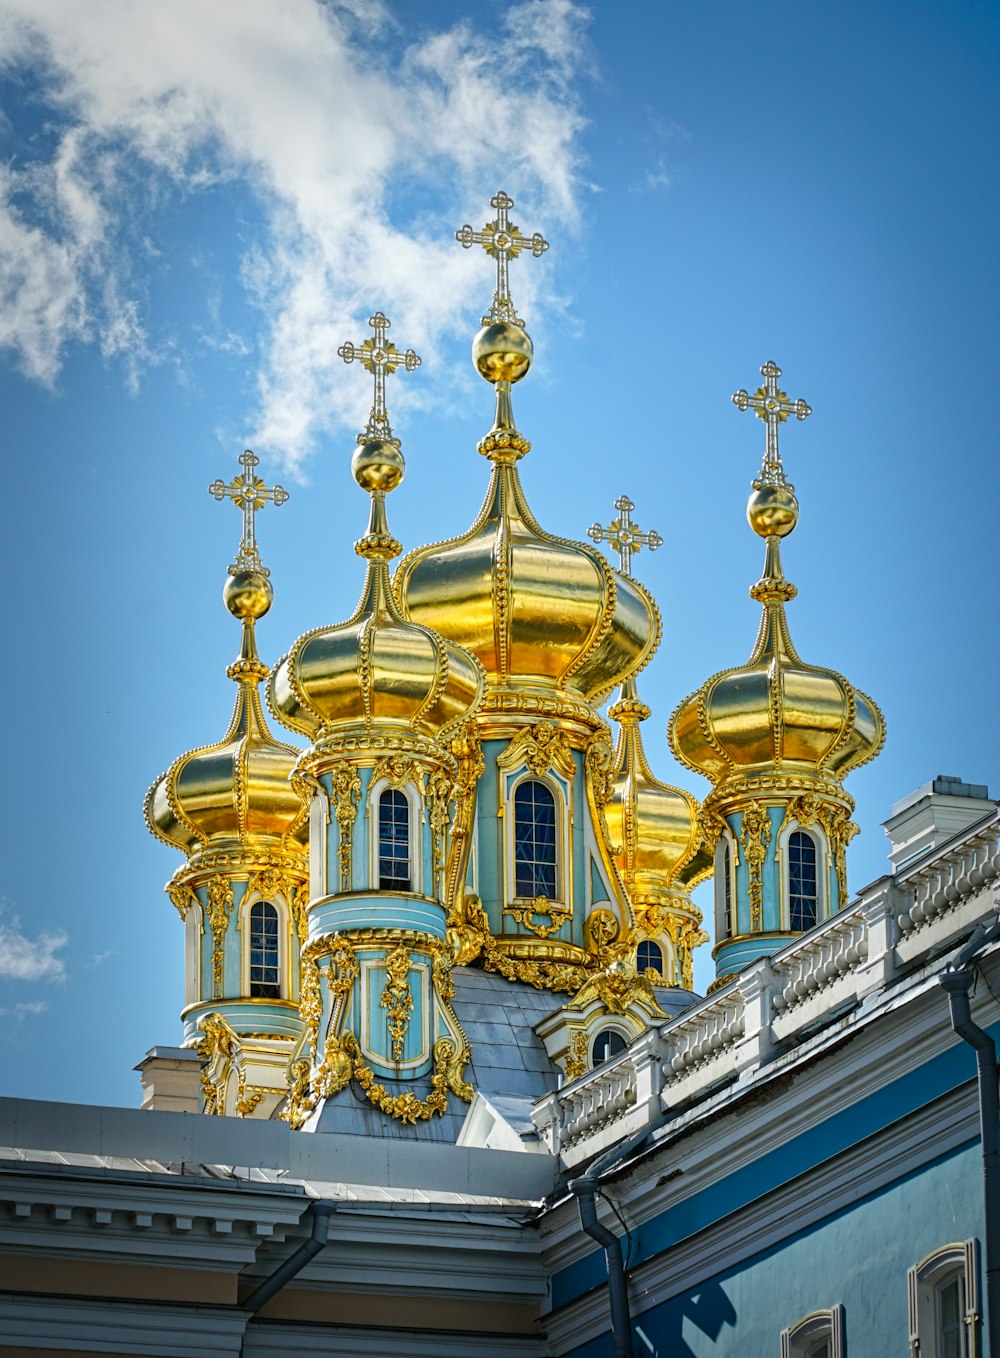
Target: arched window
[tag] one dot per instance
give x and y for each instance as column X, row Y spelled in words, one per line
column 819, row 1335
column 265, row 975
column 944, row 1302
column 727, row 892
column 607, row 1043
column 803, row 885
column 534, row 840
column 394, row 841
column 648, row 955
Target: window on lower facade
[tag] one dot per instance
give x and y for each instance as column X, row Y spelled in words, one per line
column 534, row 840
column 944, row 1302
column 821, row 1334
column 649, row 955
column 265, row 975
column 607, row 1043
column 394, row 841
column 803, row 881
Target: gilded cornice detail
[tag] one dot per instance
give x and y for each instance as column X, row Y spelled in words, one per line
column 755, row 837
column 525, row 915
column 346, row 791
column 397, row 997
column 181, row 896
column 220, row 908
column 539, row 748
column 397, row 770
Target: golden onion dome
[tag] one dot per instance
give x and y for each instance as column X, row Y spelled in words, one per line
column 654, row 827
column 234, row 797
column 777, row 713
column 377, row 669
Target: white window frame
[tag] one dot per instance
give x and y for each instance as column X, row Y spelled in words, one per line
column 563, row 848
column 819, row 839
column 663, row 968
column 250, row 898
column 725, row 839
column 194, row 929
column 799, row 1339
column 319, row 845
column 415, row 803
column 960, row 1258
column 605, row 1025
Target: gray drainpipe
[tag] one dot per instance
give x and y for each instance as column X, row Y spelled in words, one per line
column 322, row 1211
column 957, row 984
column 584, row 1190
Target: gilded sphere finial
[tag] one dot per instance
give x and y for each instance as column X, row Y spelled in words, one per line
column 502, row 352
column 378, row 464
column 772, row 510
column 247, row 594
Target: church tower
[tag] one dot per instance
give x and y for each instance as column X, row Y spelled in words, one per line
column 230, row 809
column 776, row 737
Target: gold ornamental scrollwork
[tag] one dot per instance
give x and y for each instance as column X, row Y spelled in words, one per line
column 467, row 750
column 755, row 838
column 618, row 986
column 599, row 762
column 346, row 790
column 440, row 790
column 220, row 908
column 221, row 1053
column 539, row 748
column 526, row 915
column 397, row 998
column 576, row 1056
column 397, row 770
column 181, row 897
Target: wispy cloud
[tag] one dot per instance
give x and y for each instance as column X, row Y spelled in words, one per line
column 329, row 116
column 23, row 1010
column 24, row 957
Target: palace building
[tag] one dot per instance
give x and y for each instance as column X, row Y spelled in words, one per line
column 442, row 1084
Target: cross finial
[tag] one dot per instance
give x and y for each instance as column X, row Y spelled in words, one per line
column 248, row 493
column 623, row 536
column 771, row 405
column 379, row 356
column 504, row 242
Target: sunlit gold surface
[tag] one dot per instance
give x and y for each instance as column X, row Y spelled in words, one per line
column 772, row 511
column 233, row 795
column 502, row 352
column 377, row 465
column 247, row 594
column 535, row 609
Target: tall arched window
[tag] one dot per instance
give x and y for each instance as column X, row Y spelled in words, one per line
column 803, row 884
column 534, row 840
column 727, row 892
column 648, row 955
column 265, row 974
column 394, row 841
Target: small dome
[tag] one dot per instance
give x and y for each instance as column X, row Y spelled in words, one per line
column 376, row 669
column 776, row 712
column 234, row 795
column 654, row 827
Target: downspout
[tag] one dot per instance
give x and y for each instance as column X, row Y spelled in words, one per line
column 957, row 984
column 584, row 1190
column 322, row 1211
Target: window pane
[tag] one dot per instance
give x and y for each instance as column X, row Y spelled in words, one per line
column 534, row 841
column 950, row 1304
column 394, row 841
column 265, row 977
column 607, row 1043
column 648, row 955
column 727, row 892
column 802, row 880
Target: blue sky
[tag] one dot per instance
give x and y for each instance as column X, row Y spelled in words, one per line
column 199, row 204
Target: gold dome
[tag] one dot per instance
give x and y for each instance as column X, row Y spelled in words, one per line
column 776, row 713
column 377, row 668
column 537, row 610
column 234, row 796
column 653, row 826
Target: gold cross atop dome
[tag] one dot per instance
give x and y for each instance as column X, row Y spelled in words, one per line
column 504, row 242
column 249, row 494
column 379, row 356
column 771, row 405
column 623, row 536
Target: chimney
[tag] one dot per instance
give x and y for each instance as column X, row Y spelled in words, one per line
column 932, row 815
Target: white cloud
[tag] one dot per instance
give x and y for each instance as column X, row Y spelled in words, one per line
column 23, row 958
column 23, row 1010
column 326, row 114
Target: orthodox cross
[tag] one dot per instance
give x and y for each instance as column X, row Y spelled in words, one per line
column 504, row 242
column 623, row 536
column 771, row 405
column 379, row 356
column 248, row 493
